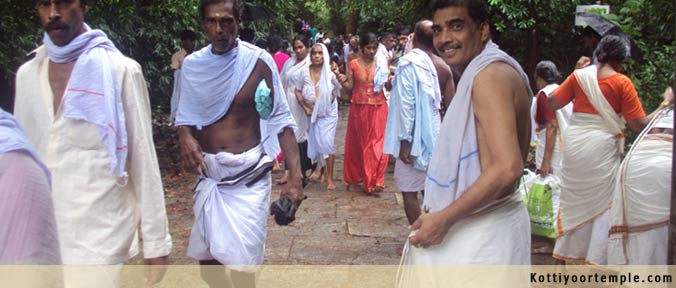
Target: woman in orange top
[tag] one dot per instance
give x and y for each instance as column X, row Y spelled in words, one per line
column 604, row 100
column 364, row 160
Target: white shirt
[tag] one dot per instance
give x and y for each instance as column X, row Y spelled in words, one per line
column 97, row 219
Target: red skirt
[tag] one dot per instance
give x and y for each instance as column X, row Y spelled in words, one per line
column 365, row 162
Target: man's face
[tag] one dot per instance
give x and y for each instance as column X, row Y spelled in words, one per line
column 188, row 44
column 220, row 26
column 389, row 42
column 63, row 20
column 402, row 40
column 457, row 38
column 316, row 55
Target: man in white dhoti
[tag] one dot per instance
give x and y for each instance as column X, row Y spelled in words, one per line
column 640, row 211
column 188, row 38
column 414, row 119
column 474, row 214
column 85, row 108
column 225, row 102
column 604, row 101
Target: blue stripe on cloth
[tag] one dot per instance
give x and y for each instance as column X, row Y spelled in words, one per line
column 435, row 181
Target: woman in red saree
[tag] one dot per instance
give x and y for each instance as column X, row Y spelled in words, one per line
column 364, row 160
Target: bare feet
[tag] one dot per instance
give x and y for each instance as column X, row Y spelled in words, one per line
column 378, row 188
column 331, row 185
column 284, row 179
column 315, row 176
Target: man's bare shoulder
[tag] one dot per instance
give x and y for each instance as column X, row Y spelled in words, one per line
column 499, row 74
column 440, row 64
column 262, row 68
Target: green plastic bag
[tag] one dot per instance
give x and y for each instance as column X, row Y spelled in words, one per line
column 542, row 203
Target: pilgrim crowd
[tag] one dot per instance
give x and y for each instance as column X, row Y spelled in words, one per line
column 80, row 181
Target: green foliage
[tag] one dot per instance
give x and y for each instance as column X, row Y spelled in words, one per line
column 380, row 16
column 147, row 31
column 651, row 24
column 18, row 35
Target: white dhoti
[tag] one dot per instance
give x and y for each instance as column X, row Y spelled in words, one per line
column 589, row 169
column 231, row 207
column 407, row 178
column 496, row 236
column 321, row 137
column 640, row 211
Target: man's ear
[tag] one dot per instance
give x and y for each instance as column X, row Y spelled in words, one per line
column 485, row 31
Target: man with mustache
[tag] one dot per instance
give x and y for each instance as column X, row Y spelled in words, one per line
column 85, row 108
column 474, row 214
column 232, row 102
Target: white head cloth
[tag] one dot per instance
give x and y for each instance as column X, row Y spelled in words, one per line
column 323, row 101
column 455, row 161
column 92, row 94
column 12, row 138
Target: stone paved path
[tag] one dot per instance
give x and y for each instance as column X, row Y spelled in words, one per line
column 332, row 227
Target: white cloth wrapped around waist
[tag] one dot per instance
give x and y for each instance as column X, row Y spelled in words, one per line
column 231, row 204
column 589, row 167
column 321, row 137
column 500, row 236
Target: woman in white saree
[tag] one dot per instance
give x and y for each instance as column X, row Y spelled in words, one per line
column 316, row 91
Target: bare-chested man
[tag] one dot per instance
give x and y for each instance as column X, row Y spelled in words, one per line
column 474, row 214
column 231, row 99
column 422, row 82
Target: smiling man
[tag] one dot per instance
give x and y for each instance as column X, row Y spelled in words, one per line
column 85, row 108
column 224, row 113
column 475, row 215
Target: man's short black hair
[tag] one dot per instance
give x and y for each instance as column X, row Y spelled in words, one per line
column 404, row 31
column 236, row 7
column 274, row 43
column 477, row 9
column 247, row 35
column 188, row 34
column 388, row 35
